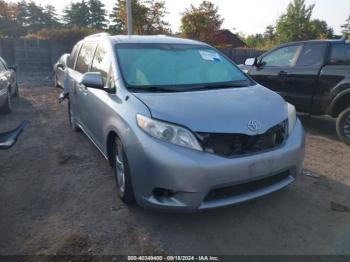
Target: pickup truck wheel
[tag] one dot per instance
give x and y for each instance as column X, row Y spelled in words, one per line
column 7, row 107
column 122, row 173
column 71, row 118
column 343, row 126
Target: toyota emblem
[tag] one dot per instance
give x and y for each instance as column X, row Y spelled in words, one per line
column 254, row 125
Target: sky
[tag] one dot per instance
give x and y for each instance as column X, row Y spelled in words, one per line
column 246, row 16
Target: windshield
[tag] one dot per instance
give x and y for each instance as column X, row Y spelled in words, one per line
column 174, row 67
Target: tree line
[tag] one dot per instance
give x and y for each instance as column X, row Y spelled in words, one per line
column 27, row 19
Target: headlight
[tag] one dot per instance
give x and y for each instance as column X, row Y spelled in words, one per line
column 167, row 132
column 292, row 117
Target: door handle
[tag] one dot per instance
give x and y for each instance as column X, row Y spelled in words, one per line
column 283, row 73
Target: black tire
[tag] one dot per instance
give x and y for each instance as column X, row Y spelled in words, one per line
column 7, row 107
column 125, row 191
column 16, row 94
column 71, row 119
column 343, row 126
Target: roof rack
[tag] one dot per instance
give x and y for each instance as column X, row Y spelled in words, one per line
column 98, row 35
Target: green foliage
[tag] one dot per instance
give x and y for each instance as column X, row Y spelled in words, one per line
column 89, row 13
column 97, row 14
column 70, row 35
column 77, row 14
column 148, row 17
column 24, row 17
column 296, row 24
column 346, row 27
column 201, row 22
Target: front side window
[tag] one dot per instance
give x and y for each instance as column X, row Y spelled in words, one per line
column 282, row 57
column 175, row 66
column 101, row 62
column 312, row 55
column 340, row 54
column 85, row 57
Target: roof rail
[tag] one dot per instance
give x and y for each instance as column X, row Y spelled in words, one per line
column 98, row 35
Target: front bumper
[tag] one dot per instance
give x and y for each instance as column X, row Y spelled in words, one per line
column 191, row 176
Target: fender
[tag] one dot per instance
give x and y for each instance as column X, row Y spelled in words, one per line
column 331, row 110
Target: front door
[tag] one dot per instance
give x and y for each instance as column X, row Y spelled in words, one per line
column 272, row 68
column 302, row 79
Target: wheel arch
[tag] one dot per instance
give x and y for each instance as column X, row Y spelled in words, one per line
column 339, row 103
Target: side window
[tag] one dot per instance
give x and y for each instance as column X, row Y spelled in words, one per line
column 101, row 62
column 312, row 55
column 283, row 57
column 85, row 57
column 2, row 67
column 73, row 56
column 340, row 54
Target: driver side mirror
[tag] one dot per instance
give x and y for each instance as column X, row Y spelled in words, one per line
column 93, row 80
column 250, row 62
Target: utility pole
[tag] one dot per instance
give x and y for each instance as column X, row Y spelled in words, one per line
column 129, row 12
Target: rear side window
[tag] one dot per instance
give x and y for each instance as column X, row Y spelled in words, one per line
column 312, row 54
column 73, row 56
column 340, row 54
column 101, row 62
column 85, row 57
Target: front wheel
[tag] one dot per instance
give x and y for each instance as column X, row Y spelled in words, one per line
column 122, row 173
column 343, row 126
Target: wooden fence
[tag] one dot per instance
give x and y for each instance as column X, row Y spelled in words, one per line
column 40, row 55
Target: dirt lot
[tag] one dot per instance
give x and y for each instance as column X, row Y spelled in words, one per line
column 57, row 196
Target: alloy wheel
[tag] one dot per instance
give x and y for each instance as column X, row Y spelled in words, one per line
column 120, row 167
column 347, row 126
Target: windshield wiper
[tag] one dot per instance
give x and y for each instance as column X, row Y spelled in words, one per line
column 151, row 89
column 220, row 85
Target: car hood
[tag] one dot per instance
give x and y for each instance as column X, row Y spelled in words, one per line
column 220, row 110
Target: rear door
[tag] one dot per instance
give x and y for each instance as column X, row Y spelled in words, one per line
column 271, row 71
column 302, row 79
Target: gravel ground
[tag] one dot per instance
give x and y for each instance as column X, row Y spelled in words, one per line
column 58, row 196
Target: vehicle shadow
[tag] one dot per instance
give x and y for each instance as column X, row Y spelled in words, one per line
column 320, row 125
column 307, row 218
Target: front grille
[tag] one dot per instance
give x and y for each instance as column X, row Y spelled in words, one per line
column 230, row 145
column 236, row 190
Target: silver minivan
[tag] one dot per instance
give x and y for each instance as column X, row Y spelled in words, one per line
column 181, row 125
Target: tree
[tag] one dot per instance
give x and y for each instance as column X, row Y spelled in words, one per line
column 51, row 17
column 148, row 17
column 97, row 12
column 8, row 19
column 77, row 14
column 296, row 24
column 201, row 22
column 346, row 27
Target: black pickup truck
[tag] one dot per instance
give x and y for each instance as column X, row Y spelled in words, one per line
column 312, row 75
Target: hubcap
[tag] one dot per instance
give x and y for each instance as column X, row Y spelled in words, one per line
column 119, row 167
column 347, row 126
